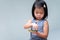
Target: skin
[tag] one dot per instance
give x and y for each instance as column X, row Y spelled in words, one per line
column 39, row 13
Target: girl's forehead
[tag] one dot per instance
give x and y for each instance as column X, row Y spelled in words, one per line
column 39, row 9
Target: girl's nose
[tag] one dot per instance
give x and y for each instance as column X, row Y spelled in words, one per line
column 38, row 14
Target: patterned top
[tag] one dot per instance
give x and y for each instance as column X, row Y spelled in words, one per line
column 40, row 29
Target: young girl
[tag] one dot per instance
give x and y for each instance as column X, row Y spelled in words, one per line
column 39, row 22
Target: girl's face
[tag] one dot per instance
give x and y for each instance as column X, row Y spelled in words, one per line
column 39, row 13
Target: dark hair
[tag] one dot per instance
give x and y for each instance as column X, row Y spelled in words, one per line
column 40, row 3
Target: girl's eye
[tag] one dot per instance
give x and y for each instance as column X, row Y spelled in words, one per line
column 36, row 12
column 39, row 13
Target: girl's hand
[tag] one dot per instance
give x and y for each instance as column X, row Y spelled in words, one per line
column 35, row 26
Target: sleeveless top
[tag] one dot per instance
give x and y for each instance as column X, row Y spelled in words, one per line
column 40, row 29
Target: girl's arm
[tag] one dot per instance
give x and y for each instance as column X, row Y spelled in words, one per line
column 45, row 30
column 28, row 24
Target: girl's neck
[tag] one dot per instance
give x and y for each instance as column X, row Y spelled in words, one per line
column 37, row 20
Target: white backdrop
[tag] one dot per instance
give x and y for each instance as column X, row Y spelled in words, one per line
column 15, row 13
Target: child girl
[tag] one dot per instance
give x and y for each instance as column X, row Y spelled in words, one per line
column 39, row 22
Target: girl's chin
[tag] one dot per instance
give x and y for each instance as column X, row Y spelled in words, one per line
column 38, row 18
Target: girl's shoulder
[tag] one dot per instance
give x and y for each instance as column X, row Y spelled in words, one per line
column 45, row 21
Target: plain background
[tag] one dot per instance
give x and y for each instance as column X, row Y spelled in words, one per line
column 15, row 13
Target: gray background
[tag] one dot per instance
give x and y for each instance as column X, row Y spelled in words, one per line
column 15, row 13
